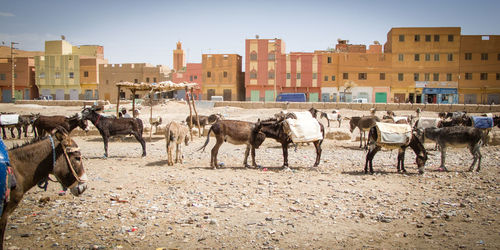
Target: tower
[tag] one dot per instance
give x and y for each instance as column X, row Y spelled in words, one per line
column 179, row 57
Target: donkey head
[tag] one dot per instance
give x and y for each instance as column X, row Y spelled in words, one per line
column 69, row 171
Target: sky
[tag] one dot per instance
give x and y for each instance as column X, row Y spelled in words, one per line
column 147, row 31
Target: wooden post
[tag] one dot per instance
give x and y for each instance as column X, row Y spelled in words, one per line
column 195, row 113
column 190, row 115
column 151, row 113
column 133, row 103
column 118, row 102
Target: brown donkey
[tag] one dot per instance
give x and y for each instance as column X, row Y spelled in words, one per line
column 237, row 133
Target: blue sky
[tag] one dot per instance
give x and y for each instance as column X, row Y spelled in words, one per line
column 146, row 31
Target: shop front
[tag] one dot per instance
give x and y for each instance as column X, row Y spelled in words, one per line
column 440, row 95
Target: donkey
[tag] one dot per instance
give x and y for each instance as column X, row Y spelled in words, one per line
column 32, row 163
column 175, row 133
column 414, row 144
column 364, row 124
column 334, row 116
column 237, row 133
column 110, row 127
column 457, row 136
column 275, row 128
column 45, row 124
column 204, row 120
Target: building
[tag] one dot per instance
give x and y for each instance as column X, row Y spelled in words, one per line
column 265, row 64
column 110, row 74
column 179, row 58
column 191, row 73
column 24, row 79
column 58, row 71
column 479, row 80
column 222, row 76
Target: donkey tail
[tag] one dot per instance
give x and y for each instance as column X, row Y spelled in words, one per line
column 208, row 139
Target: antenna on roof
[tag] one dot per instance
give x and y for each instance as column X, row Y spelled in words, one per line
column 256, row 36
column 63, row 37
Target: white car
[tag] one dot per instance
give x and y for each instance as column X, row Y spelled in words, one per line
column 360, row 100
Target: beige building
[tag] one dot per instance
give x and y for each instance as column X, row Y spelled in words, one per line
column 222, row 76
column 110, row 74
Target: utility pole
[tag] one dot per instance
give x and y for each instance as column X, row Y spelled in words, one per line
column 275, row 67
column 13, row 65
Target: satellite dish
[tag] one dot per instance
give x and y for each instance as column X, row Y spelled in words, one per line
column 63, row 37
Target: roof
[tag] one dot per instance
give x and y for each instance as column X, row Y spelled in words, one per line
column 161, row 86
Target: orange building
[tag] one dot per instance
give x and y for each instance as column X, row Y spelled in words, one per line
column 24, row 79
column 222, row 76
column 179, row 58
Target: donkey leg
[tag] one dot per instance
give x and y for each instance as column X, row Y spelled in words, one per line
column 105, row 140
column 443, row 158
column 254, row 164
column 3, row 132
column 479, row 155
column 284, row 147
column 317, row 145
column 401, row 160
column 214, row 152
column 178, row 157
column 139, row 138
column 360, row 138
column 245, row 160
column 170, row 161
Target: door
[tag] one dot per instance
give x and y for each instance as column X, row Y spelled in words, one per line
column 254, row 95
column 493, row 99
column 269, row 96
column 325, row 97
column 88, row 94
column 227, row 95
column 59, row 94
column 27, row 94
column 470, row 99
column 313, row 97
column 7, row 95
column 380, row 97
column 73, row 94
column 210, row 93
column 399, row 97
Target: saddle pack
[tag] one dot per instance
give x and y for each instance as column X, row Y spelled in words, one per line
column 393, row 134
column 482, row 122
column 10, row 119
column 303, row 129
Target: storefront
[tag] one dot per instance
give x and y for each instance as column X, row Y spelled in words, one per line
column 440, row 95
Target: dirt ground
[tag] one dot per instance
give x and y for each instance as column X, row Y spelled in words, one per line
column 142, row 203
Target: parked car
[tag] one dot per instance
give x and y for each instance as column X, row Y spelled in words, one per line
column 291, row 97
column 45, row 97
column 360, row 100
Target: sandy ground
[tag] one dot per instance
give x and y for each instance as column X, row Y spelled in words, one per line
column 142, row 203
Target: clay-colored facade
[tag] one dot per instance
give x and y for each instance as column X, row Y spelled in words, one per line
column 179, row 58
column 110, row 74
column 24, row 81
column 222, row 76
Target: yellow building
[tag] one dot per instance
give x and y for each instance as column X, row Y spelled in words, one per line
column 479, row 80
column 222, row 76
column 421, row 57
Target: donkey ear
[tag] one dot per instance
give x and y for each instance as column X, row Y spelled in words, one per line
column 60, row 133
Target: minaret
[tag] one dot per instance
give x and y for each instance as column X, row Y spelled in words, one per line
column 179, row 57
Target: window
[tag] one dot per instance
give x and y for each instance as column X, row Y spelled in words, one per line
column 253, row 56
column 450, row 57
column 209, row 74
column 435, row 77
column 427, row 38
column 147, row 79
column 362, row 76
column 3, row 77
column 326, row 78
column 484, row 76
column 154, row 79
column 71, row 75
column 417, row 57
column 298, row 75
column 436, row 57
column 382, row 76
column 85, row 74
column 401, row 38
column 288, row 75
column 400, row 57
column 436, row 38
column 333, row 77
column 270, row 74
column 329, row 59
column 416, row 76
column 417, row 38
column 498, row 76
column 450, row 38
column 253, row 75
column 400, row 77
column 271, row 57
column 484, row 56
column 315, row 75
column 191, row 78
column 225, row 74
column 136, row 81
column 427, row 57
column 42, row 75
column 448, row 77
column 345, row 76
column 468, row 76
column 468, row 56
column 58, row 75
column 427, row 77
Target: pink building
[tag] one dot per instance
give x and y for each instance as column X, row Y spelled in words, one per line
column 191, row 74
